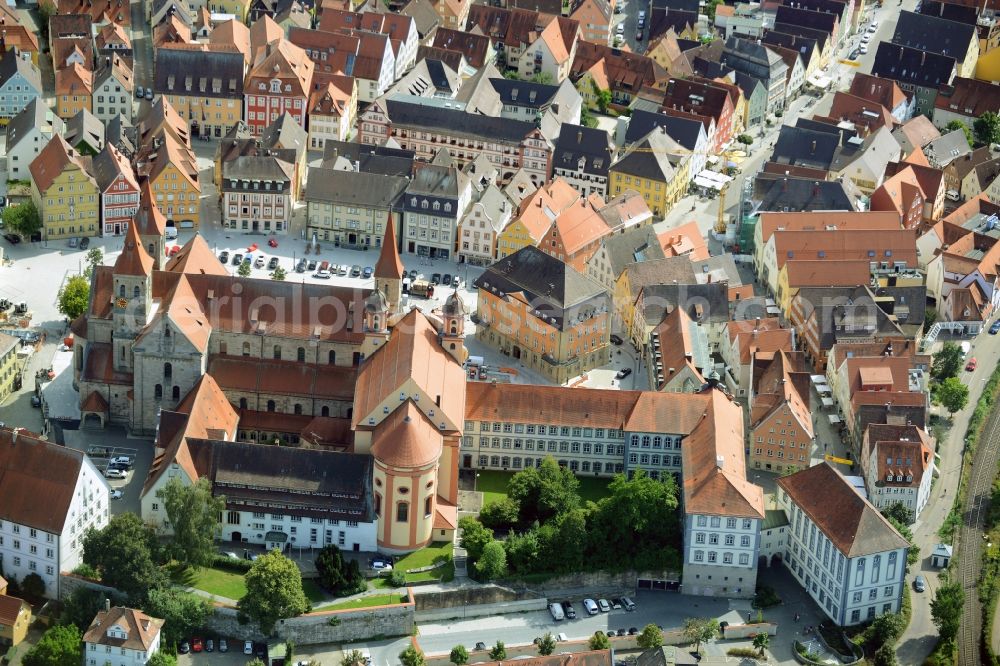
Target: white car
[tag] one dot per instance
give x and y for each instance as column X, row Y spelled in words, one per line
column 116, row 474
column 620, row 30
column 873, row 27
column 863, row 49
column 866, row 38
column 120, row 460
column 116, row 494
column 247, row 647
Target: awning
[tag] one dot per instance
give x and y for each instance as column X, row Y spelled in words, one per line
column 817, row 379
column 834, row 419
column 819, row 81
column 827, row 402
column 276, row 537
column 711, row 179
column 823, row 388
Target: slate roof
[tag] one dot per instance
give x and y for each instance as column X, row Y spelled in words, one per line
column 577, row 142
column 934, row 34
column 916, row 67
column 12, row 63
column 549, row 285
column 368, row 190
column 684, row 131
column 633, row 246
column 34, row 114
column 417, row 112
column 850, row 521
column 524, row 93
column 776, row 193
column 371, row 159
column 207, row 72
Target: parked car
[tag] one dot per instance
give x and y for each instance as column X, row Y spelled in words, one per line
column 84, row 243
column 971, row 365
column 322, row 274
column 480, row 645
column 237, row 259
column 342, row 270
column 436, row 279
column 620, row 30
column 324, row 265
column 854, row 54
column 247, row 647
column 115, row 474
column 149, row 93
column 381, row 564
column 569, row 610
column 224, row 256
column 259, row 263
column 272, row 264
column 121, row 460
column 628, row 604
column 185, row 647
column 610, row 633
column 446, row 279
column 301, row 266
column 632, row 631
column 623, row 373
column 312, row 265
column 616, row 340
column 116, row 494
column 995, row 328
column 604, row 605
column 36, row 401
column 73, row 242
column 616, row 605
column 209, row 645
column 863, row 48
column 455, row 282
column 138, row 92
column 865, row 38
column 13, row 239
column 919, row 584
column 367, row 272
column 638, row 36
column 590, row 606
column 355, row 271
column 413, row 274
column 196, row 645
column 223, row 645
column 556, row 610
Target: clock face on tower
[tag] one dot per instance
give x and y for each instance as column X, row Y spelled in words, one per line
column 122, row 302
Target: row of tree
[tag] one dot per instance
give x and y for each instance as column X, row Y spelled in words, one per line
column 947, row 389
column 547, row 527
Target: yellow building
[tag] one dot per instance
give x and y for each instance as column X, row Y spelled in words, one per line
column 532, row 221
column 988, row 66
column 203, row 83
column 562, row 334
column 173, row 177
column 15, row 617
column 237, row 8
column 658, row 168
column 9, row 369
column 65, row 192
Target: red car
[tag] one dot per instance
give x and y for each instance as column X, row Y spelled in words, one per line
column 196, row 645
column 971, row 365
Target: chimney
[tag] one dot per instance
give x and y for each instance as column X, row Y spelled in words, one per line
column 720, row 461
column 784, row 185
column 813, row 146
column 107, row 605
column 579, row 136
column 923, row 57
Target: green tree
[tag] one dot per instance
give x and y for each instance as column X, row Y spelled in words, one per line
column 194, row 513
column 498, row 652
column 542, row 77
column 699, row 630
column 274, row 591
column 898, row 512
column 181, row 611
column 560, row 539
column 760, row 642
column 162, row 658
column 930, row 317
column 243, row 270
column 958, row 124
column 946, row 610
column 22, row 219
column 474, row 537
column 947, row 362
column 637, row 522
column 81, row 606
column 745, row 139
column 500, row 514
column 885, row 656
column 459, row 655
column 650, row 637
column 95, row 258
column 59, row 646
column 125, row 553
column 522, row 552
column 987, row 128
column 587, row 118
column 913, row 554
column 353, row 658
column 599, row 641
column 278, row 274
column 886, row 629
column 411, row 656
column 493, row 562
column 952, row 394
column 546, row 644
column 544, row 491
column 33, row 587
column 339, row 576
column 74, row 297
column 256, row 662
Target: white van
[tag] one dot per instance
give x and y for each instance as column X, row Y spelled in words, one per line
column 557, row 612
column 590, row 606
column 171, row 233
column 952, row 195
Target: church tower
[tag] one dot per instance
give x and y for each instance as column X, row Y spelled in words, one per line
column 453, row 329
column 376, row 322
column 133, row 296
column 389, row 269
column 152, row 226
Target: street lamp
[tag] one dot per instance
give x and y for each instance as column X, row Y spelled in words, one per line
column 475, row 482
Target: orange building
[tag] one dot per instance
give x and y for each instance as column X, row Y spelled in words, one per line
column 74, row 90
column 781, row 430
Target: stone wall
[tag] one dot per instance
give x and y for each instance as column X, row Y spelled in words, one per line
column 345, row 626
column 68, row 582
column 469, row 596
column 748, row 630
column 480, row 610
column 592, row 584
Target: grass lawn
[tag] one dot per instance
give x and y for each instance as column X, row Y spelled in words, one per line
column 438, row 551
column 214, row 581
column 493, row 485
column 314, row 593
column 366, row 602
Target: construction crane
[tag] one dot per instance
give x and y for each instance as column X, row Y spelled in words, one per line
column 720, row 223
column 835, row 459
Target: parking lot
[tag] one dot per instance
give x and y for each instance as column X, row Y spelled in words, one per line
column 321, row 654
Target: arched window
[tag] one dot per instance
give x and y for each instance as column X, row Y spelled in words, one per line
column 331, row 357
column 166, row 331
column 428, row 505
column 136, row 292
column 402, row 512
column 121, row 291
column 270, row 405
column 243, row 403
column 454, row 328
column 378, row 505
column 301, row 354
column 151, row 250
column 375, row 323
column 176, row 393
column 158, row 391
column 452, row 346
column 298, row 408
column 277, row 352
column 246, row 348
column 168, row 370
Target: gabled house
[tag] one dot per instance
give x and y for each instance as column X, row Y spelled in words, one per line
column 582, row 156
column 27, row 133
column 677, row 358
column 901, row 194
column 400, row 29
column 368, row 57
column 965, row 100
column 121, row 637
column 278, row 82
column 20, row 83
column 656, row 167
column 65, row 213
column 480, row 228
column 114, row 86
column 204, row 83
column 885, row 93
column 918, row 72
column 595, row 18
column 333, row 108
column 74, row 90
column 553, row 52
column 742, row 340
column 622, row 73
column 781, row 425
column 119, row 190
column 898, row 466
column 954, row 39
column 476, row 48
column 706, row 101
